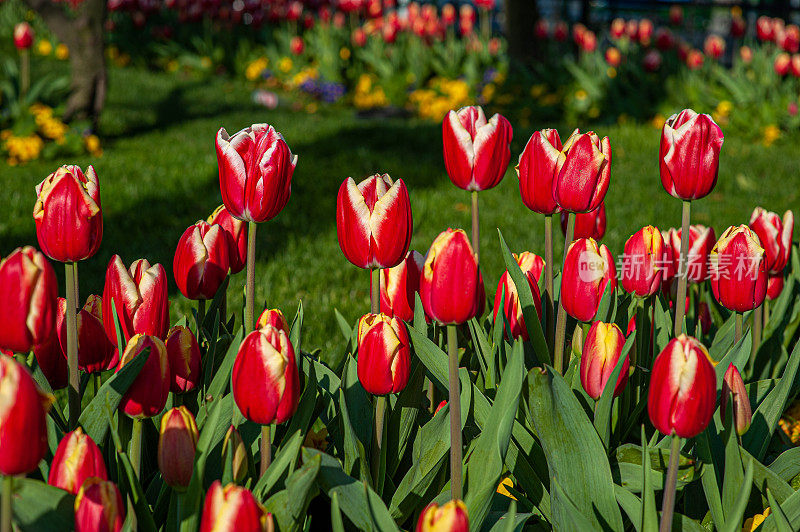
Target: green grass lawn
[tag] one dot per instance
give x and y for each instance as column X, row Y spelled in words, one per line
column 159, row 174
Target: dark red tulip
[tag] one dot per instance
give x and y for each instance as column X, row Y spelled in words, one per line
column 183, row 354
column 177, row 445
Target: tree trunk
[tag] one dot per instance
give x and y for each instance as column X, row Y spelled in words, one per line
column 521, row 17
column 82, row 31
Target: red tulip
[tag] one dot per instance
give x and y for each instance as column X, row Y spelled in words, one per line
column 613, row 56
column 641, row 261
column 583, row 172
column 690, row 146
column 775, row 236
column 632, row 29
column 764, row 28
column 95, row 352
column 507, row 296
column 537, row 169
column 694, row 59
column 590, row 224
column 451, row 287
column 23, row 36
column 51, row 361
column 28, row 294
column 738, row 269
column 588, row 270
column 233, row 509
column 683, row 388
column 69, row 220
column 147, row 395
column 617, row 28
column 201, row 260
column 255, row 172
column 98, row 507
column 183, row 354
column 733, row 390
column 746, row 54
column 399, row 286
column 450, row 517
column 237, row 231
column 774, row 286
column 383, row 354
column 177, row 444
column 651, row 61
column 296, row 45
column 645, row 32
column 560, row 31
column 714, row 46
column 664, row 39
column 77, row 458
column 676, row 15
column 476, row 152
column 266, row 386
column 783, row 62
column 373, row 221
column 275, row 318
column 738, row 26
column 140, row 298
column 701, row 241
column 601, row 351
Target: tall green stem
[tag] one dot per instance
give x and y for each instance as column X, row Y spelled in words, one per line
column 250, row 287
column 683, row 270
column 476, row 228
column 375, row 290
column 548, row 279
column 8, row 493
column 737, row 333
column 561, row 322
column 455, row 413
column 758, row 323
column 377, row 437
column 135, row 456
column 266, row 448
column 72, row 345
column 668, row 506
column 24, row 73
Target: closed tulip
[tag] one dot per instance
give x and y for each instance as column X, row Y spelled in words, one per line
column 451, row 287
column 774, row 286
column 507, row 297
column 52, row 361
column 23, row 36
column 147, row 395
column 641, row 271
column 738, row 269
column 733, row 391
column 536, row 170
column 683, row 388
column 701, row 241
column 69, row 220
column 237, row 231
column 183, row 354
column 233, row 509
column 384, row 354
column 233, row 443
column 266, row 385
column 775, row 235
column 95, row 352
column 690, row 146
column 399, row 286
column 77, row 458
column 373, row 221
column 23, row 424
column 201, row 260
column 177, row 444
column 583, row 172
column 255, row 172
column 140, row 298
column 476, row 151
column 588, row 270
column 590, row 224
column 98, row 507
column 600, row 355
column 449, row 517
column 275, row 318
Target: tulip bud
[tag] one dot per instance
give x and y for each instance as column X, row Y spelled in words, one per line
column 583, row 172
column 590, row 224
column 28, row 293
column 23, row 36
column 450, row 517
column 177, row 444
column 98, row 507
column 237, row 231
column 275, row 318
column 95, row 352
column 399, row 286
column 140, row 298
column 733, row 390
column 383, row 354
column 774, row 286
column 507, row 296
column 536, row 170
column 701, row 240
column 52, row 362
column 775, row 236
column 738, row 269
column 451, row 287
column 77, row 458
column 373, row 221
column 266, row 385
column 23, row 424
column 683, row 388
column 183, row 354
column 201, row 260
column 255, row 172
column 588, row 269
column 600, row 355
column 69, row 220
column 690, row 146
column 231, row 509
column 147, row 395
column 233, row 443
column 476, row 152
column 641, row 272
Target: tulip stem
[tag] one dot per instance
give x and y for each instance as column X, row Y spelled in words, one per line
column 375, row 290
column 8, row 493
column 476, row 228
column 136, row 446
column 250, row 287
column 380, row 411
column 561, row 322
column 683, row 270
column 266, row 448
column 737, row 333
column 668, row 506
column 24, row 74
column 70, row 269
column 758, row 322
column 455, row 413
column 548, row 279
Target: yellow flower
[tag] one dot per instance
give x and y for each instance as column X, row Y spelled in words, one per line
column 92, row 143
column 724, row 108
column 172, row 66
column 488, row 92
column 594, row 112
column 502, row 488
column 344, row 53
column 736, row 11
column 312, row 108
column 658, row 121
column 112, row 52
column 611, row 72
column 770, row 134
column 581, row 95
column 538, row 90
column 44, row 47
column 62, row 52
column 751, row 523
column 285, row 65
column 206, row 62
